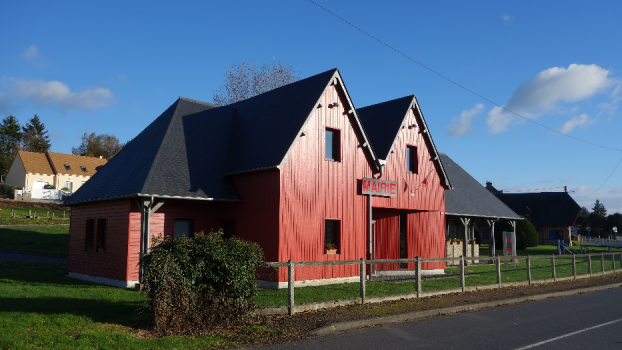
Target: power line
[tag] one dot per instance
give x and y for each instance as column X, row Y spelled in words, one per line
column 601, row 185
column 461, row 86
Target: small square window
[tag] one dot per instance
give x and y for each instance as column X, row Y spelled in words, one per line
column 332, row 148
column 101, row 235
column 67, row 167
column 83, row 168
column 332, row 236
column 412, row 165
column 184, row 227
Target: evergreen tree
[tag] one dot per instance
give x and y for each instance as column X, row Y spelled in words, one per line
column 599, row 209
column 35, row 137
column 10, row 137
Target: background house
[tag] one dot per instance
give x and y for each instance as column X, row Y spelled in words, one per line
column 552, row 213
column 34, row 170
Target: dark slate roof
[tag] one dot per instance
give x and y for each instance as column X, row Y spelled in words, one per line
column 268, row 124
column 182, row 153
column 382, row 123
column 545, row 208
column 469, row 198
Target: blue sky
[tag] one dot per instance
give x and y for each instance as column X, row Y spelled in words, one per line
column 113, row 67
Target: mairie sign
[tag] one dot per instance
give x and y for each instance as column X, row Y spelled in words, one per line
column 377, row 187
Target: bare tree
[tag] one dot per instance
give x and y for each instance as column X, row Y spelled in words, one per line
column 104, row 145
column 247, row 80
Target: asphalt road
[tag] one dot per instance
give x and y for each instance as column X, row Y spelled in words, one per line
column 585, row 321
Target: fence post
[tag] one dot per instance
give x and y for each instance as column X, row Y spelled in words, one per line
column 529, row 269
column 290, row 287
column 462, row 272
column 574, row 266
column 418, row 276
column 498, row 263
column 553, row 267
column 29, row 213
column 48, row 214
column 613, row 262
column 602, row 262
column 52, row 215
column 589, row 264
column 362, row 281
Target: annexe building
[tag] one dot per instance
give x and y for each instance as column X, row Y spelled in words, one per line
column 292, row 169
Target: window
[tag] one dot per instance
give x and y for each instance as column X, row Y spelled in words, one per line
column 67, row 167
column 184, row 227
column 90, row 235
column 332, row 239
column 411, row 160
column 332, row 147
column 229, row 228
column 403, row 239
column 101, row 236
column 83, row 168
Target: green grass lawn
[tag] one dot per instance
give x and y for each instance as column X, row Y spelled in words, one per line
column 42, row 240
column 44, row 217
column 40, row 306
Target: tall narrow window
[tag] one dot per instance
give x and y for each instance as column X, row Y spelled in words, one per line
column 411, row 160
column 332, row 148
column 403, row 239
column 101, row 235
column 184, row 227
column 89, row 236
column 332, row 239
column 229, row 228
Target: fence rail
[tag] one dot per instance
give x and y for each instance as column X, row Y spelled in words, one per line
column 602, row 241
column 363, row 273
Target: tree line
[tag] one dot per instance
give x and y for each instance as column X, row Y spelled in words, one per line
column 600, row 224
column 33, row 137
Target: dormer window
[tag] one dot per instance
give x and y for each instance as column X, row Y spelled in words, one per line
column 83, row 168
column 67, row 167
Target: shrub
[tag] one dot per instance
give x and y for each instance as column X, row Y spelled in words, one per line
column 197, row 284
column 531, row 235
column 8, row 190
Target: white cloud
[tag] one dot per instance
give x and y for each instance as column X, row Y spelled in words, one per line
column 54, row 93
column 568, row 179
column 31, row 53
column 507, row 18
column 616, row 97
column 547, row 89
column 582, row 120
column 461, row 125
column 55, row 135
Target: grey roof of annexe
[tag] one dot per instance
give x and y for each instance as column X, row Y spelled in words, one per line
column 545, row 208
column 469, row 198
column 189, row 150
column 383, row 122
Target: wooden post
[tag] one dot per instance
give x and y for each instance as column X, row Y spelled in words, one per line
column 63, row 214
column 29, row 213
column 418, row 273
column 589, row 264
column 48, row 214
column 362, row 289
column 613, row 262
column 290, row 287
column 462, row 261
column 498, row 262
column 602, row 262
column 529, row 269
column 553, row 267
column 52, row 215
column 574, row 266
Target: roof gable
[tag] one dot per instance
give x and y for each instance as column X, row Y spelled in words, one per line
column 383, row 123
column 469, row 198
column 35, row 163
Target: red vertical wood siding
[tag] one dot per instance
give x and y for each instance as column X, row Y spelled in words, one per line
column 314, row 189
column 423, row 203
column 112, row 263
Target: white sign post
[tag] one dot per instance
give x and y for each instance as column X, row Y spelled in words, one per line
column 509, row 246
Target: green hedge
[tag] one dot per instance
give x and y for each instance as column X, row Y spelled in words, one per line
column 197, row 284
column 7, row 190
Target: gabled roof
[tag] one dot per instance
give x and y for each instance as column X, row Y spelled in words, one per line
column 91, row 164
column 383, row 122
column 267, row 125
column 36, row 163
column 181, row 154
column 190, row 149
column 546, row 208
column 469, row 198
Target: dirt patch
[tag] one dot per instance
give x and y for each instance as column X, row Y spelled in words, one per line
column 278, row 329
column 10, row 203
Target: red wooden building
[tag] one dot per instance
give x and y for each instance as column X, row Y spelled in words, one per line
column 297, row 169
